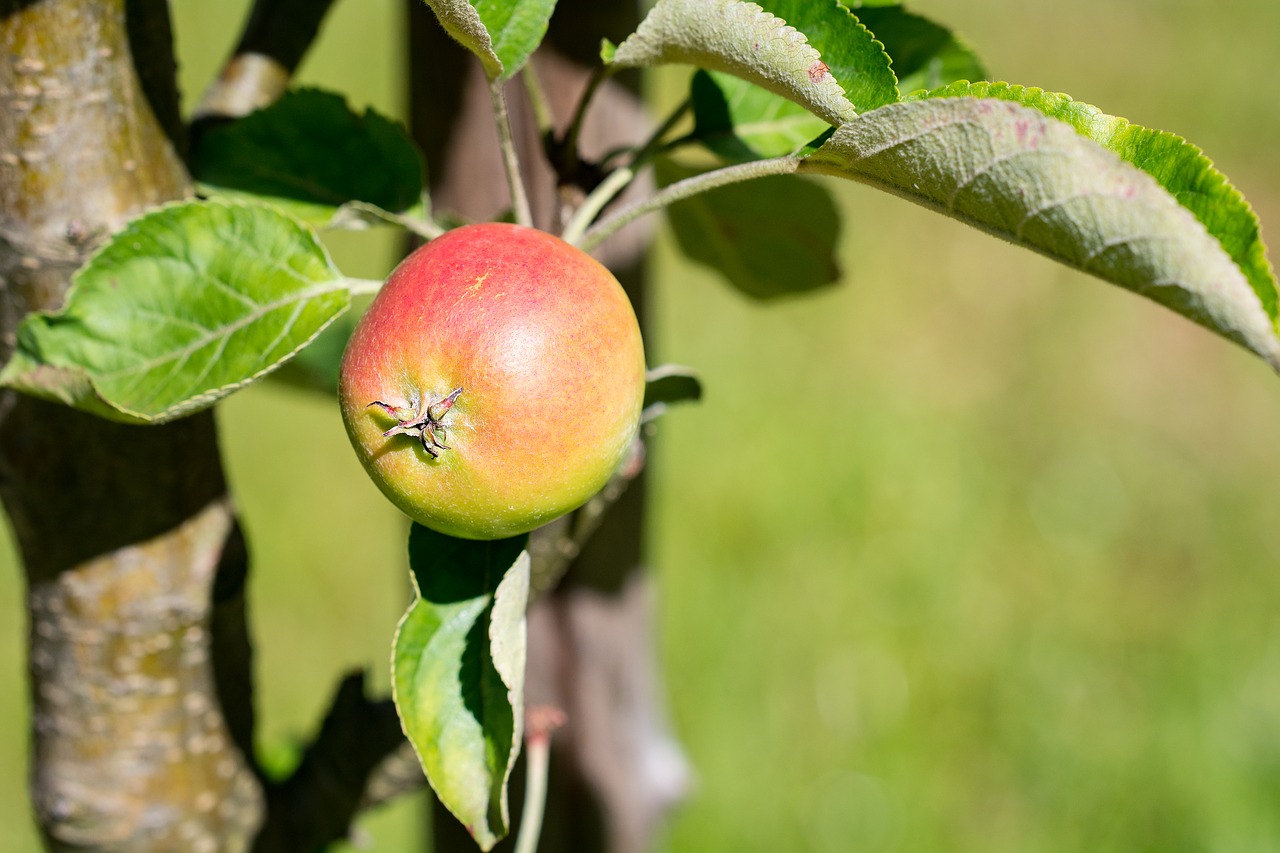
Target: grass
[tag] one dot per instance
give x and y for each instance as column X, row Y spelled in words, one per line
column 970, row 553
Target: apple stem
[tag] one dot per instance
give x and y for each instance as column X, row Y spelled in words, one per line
column 510, row 160
column 605, row 229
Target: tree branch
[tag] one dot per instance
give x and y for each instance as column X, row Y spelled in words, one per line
column 317, row 803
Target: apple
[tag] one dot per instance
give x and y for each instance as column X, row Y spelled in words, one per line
column 496, row 381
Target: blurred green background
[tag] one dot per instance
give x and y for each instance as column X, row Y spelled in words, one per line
column 972, row 553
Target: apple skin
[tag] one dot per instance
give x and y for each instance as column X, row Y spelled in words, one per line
column 545, row 346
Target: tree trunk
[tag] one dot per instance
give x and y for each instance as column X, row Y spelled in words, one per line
column 133, row 559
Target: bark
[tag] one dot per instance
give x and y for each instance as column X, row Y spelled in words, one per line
column 133, row 559
column 616, row 770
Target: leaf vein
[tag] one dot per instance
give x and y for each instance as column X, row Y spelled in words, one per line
column 231, row 328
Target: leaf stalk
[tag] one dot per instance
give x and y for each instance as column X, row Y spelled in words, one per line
column 687, row 188
column 510, row 160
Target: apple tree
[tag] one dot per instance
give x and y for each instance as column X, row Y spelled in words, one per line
column 153, row 273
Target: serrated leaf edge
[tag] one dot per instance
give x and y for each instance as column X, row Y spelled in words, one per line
column 1267, row 346
column 665, row 36
column 1118, row 125
column 191, row 404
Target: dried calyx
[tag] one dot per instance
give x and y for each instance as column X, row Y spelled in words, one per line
column 427, row 422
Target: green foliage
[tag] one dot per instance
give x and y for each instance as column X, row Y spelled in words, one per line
column 196, row 300
column 739, row 121
column 925, row 55
column 737, row 38
column 849, row 51
column 768, row 238
column 1178, row 166
column 503, row 33
column 183, row 306
column 309, row 154
column 1035, row 181
column 458, row 672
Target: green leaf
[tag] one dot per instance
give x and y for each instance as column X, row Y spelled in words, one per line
column 771, row 237
column 925, row 55
column 309, row 154
column 667, row 385
column 742, row 39
column 183, row 306
column 849, row 50
column 740, row 121
column 461, row 20
column 1178, row 166
column 503, row 33
column 458, row 672
column 1013, row 172
column 316, row 367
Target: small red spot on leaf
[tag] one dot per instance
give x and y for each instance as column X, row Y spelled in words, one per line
column 819, row 71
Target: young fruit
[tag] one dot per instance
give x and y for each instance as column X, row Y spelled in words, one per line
column 495, row 382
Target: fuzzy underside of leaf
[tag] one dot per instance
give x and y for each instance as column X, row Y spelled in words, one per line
column 742, row 39
column 848, row 49
column 1015, row 173
column 461, row 20
column 502, row 33
column 1177, row 165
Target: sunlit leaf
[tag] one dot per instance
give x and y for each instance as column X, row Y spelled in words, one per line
column 742, row 39
column 503, row 33
column 181, row 307
column 739, row 121
column 1178, row 166
column 1035, row 181
column 849, row 51
column 458, row 672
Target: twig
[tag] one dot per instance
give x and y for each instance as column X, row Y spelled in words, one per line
column 316, row 804
column 619, row 179
column 654, row 143
column 569, row 146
